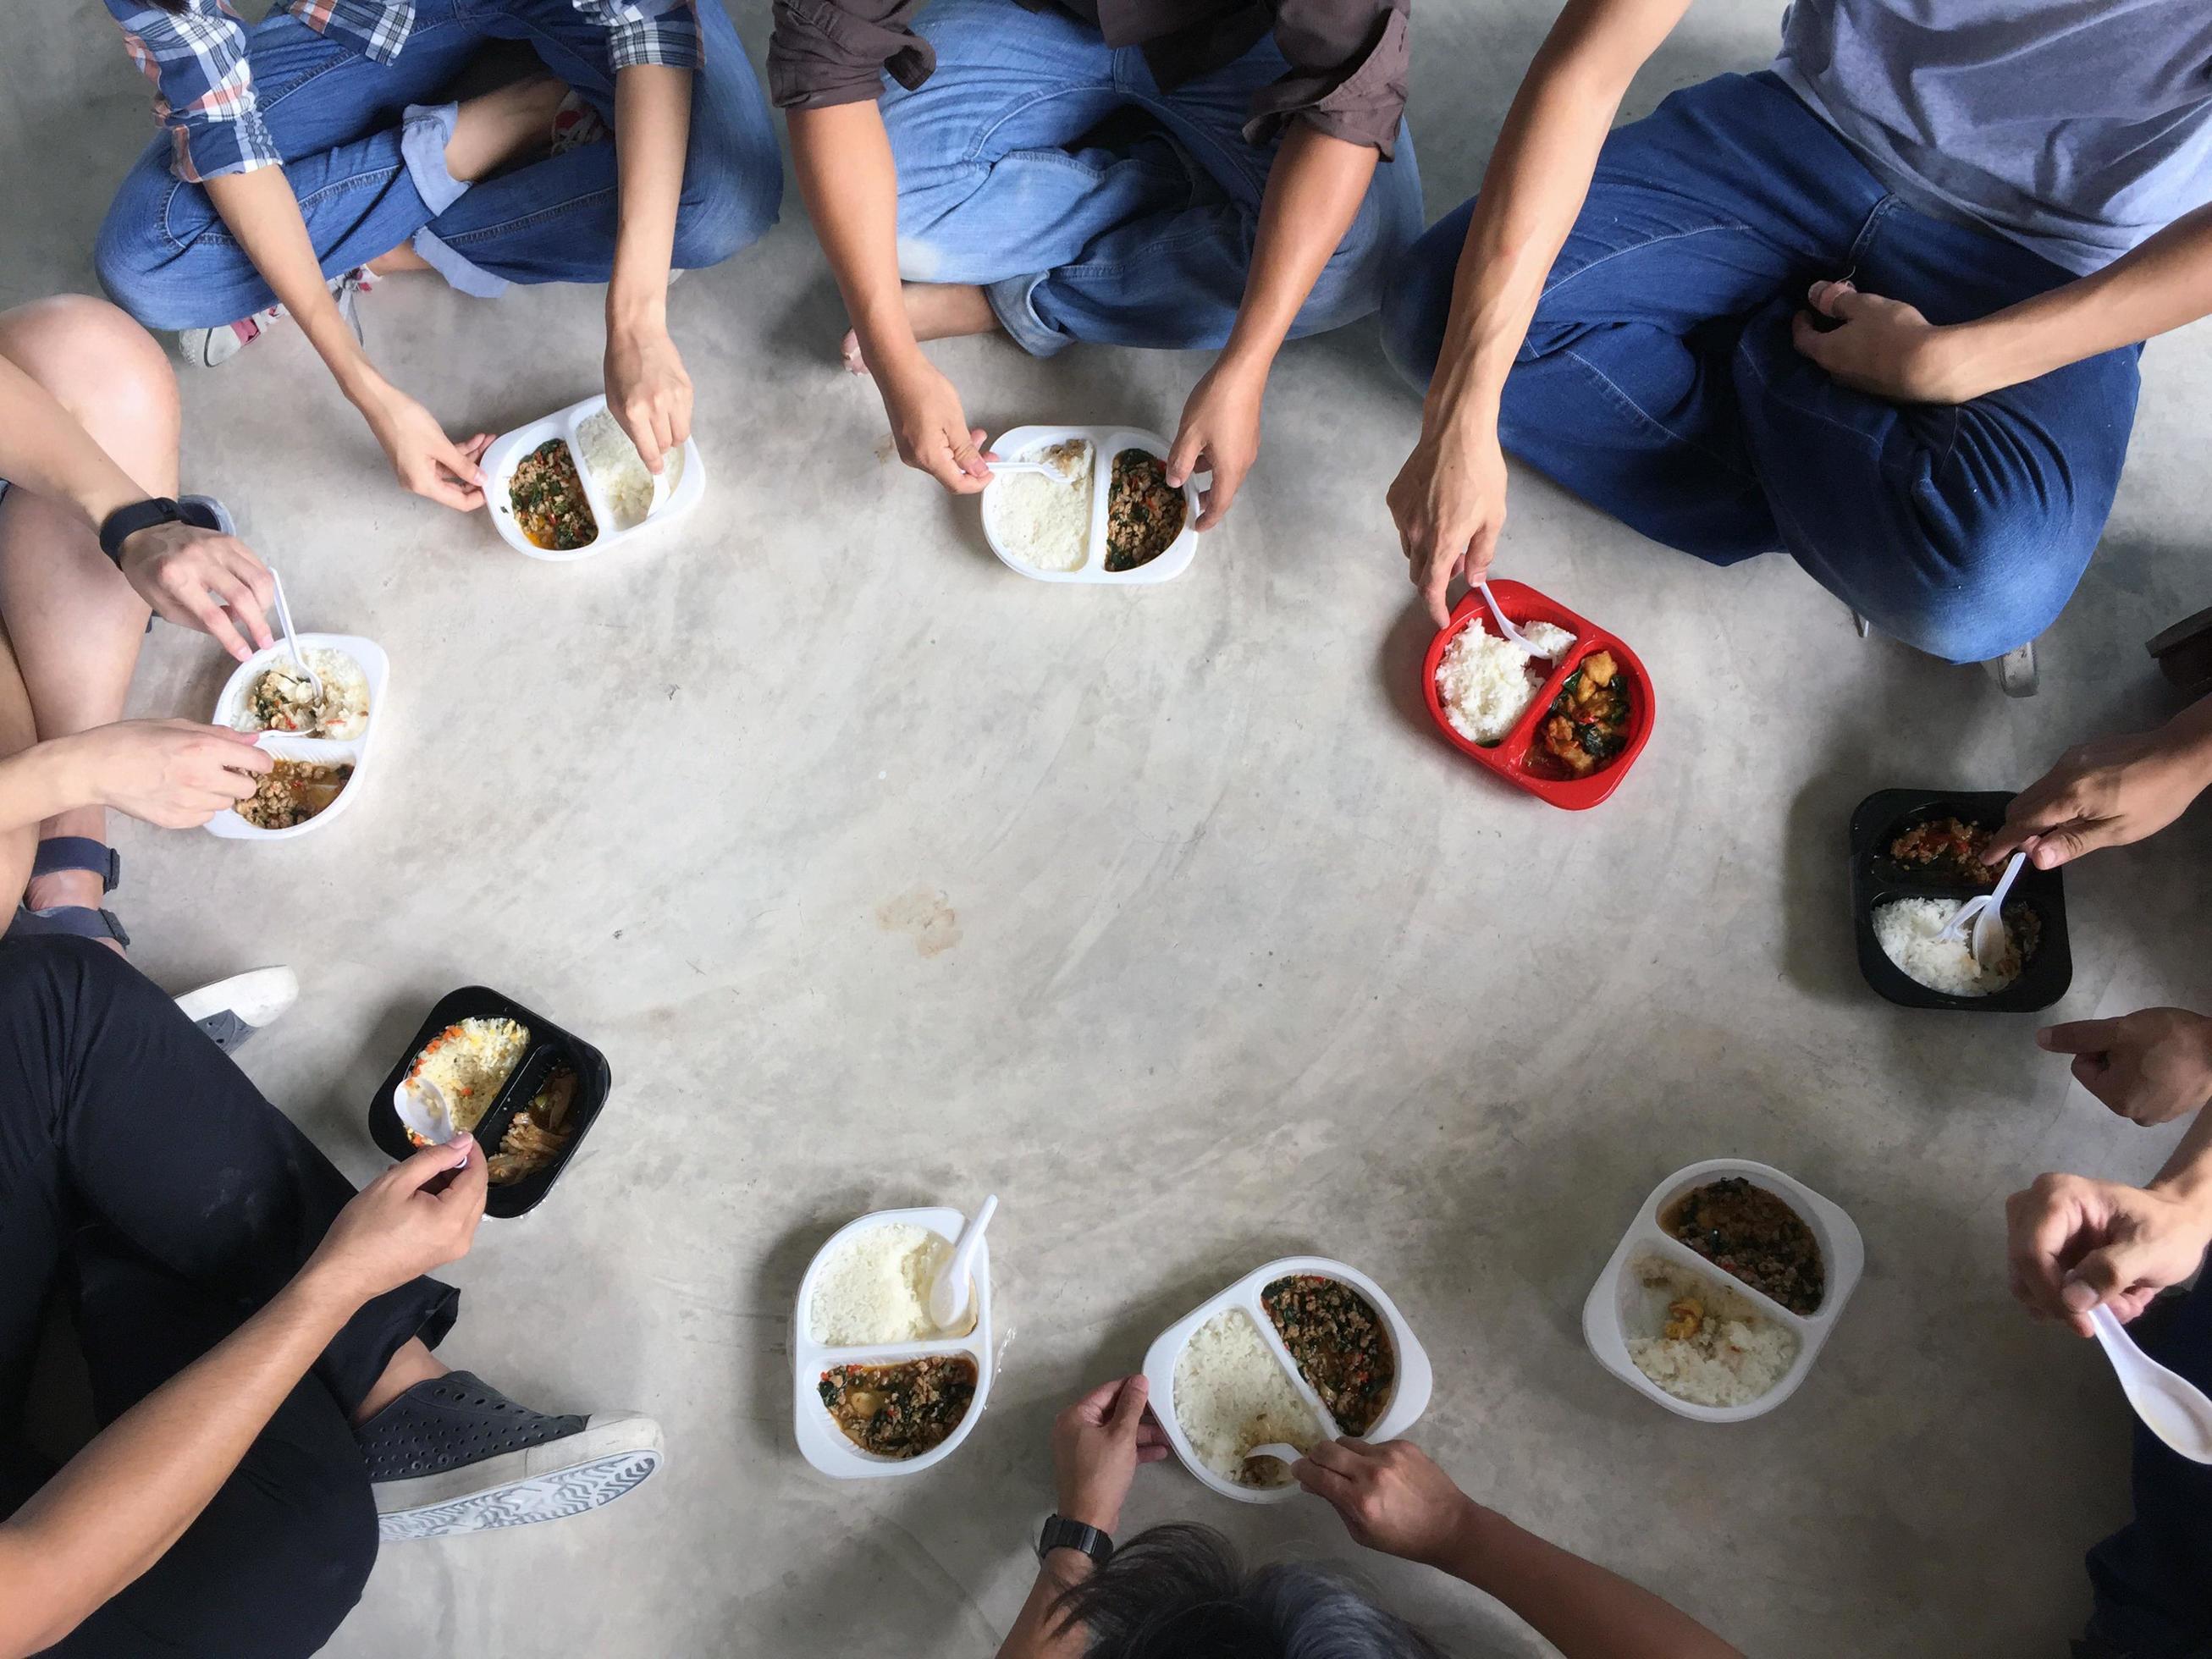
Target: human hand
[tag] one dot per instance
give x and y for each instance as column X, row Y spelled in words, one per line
column 2152, row 1065
column 1392, row 1497
column 648, row 393
column 2110, row 792
column 929, row 426
column 395, row 1229
column 2075, row 1243
column 1096, row 1444
column 1883, row 348
column 1220, row 434
column 1448, row 503
column 202, row 578
column 175, row 774
column 424, row 458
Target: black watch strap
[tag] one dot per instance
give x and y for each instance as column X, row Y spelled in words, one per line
column 1061, row 1534
column 118, row 526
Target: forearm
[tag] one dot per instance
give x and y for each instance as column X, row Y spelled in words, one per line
column 122, row 1501
column 41, row 782
column 1532, row 192
column 849, row 179
column 2186, row 1175
column 2164, row 283
column 1033, row 1635
column 263, row 215
column 44, row 450
column 1582, row 1610
column 1314, row 191
column 652, row 132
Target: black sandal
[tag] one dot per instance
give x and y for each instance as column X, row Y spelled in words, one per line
column 59, row 853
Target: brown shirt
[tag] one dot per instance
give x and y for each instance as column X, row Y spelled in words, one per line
column 1347, row 58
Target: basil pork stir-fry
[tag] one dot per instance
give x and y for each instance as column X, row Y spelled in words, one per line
column 1947, row 846
column 1754, row 1235
column 1144, row 512
column 1340, row 1344
column 1588, row 723
column 548, row 501
column 902, row 1410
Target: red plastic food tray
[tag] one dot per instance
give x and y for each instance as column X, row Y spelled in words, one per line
column 1509, row 758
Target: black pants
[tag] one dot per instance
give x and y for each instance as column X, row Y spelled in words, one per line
column 140, row 1173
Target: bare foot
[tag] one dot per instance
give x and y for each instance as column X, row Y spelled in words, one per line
column 67, row 887
column 938, row 311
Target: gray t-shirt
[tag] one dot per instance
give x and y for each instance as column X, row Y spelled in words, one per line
column 2076, row 127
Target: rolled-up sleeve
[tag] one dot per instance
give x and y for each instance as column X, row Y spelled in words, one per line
column 1348, row 60
column 663, row 32
column 203, row 86
column 836, row 51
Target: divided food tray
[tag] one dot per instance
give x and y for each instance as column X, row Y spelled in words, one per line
column 821, row 1441
column 507, row 450
column 1409, row 1395
column 375, row 667
column 1023, row 443
column 1877, row 879
column 548, row 1045
column 1618, row 1309
column 1510, row 757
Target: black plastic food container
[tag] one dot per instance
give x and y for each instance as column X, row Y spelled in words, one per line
column 548, row 1044
column 1877, row 878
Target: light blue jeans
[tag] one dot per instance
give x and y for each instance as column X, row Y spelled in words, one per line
column 364, row 149
column 1145, row 244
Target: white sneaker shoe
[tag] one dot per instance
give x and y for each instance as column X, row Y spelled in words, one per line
column 231, row 1009
column 211, row 348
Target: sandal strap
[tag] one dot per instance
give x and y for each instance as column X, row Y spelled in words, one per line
column 58, row 853
column 71, row 920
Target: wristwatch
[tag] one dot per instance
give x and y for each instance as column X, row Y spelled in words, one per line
column 120, row 525
column 1061, row 1534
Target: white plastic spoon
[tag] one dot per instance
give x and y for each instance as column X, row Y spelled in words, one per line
column 1002, row 468
column 1985, row 912
column 291, row 641
column 1281, row 1451
column 948, row 1291
column 424, row 1111
column 1506, row 630
column 2171, row 1408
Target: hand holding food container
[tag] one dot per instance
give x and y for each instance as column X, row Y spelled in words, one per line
column 314, row 702
column 1098, row 1443
column 1098, row 507
column 573, row 484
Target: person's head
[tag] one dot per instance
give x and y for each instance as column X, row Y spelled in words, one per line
column 1179, row 1589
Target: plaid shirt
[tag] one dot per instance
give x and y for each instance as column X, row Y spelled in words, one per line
column 203, row 80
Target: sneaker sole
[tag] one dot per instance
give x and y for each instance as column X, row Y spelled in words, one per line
column 565, row 1477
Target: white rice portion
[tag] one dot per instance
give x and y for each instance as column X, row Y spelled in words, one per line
column 1045, row 522
column 1231, row 1394
column 343, row 711
column 1906, row 928
column 1483, row 681
column 876, row 1289
column 1737, row 1356
column 615, row 466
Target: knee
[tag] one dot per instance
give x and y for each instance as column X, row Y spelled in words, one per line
column 732, row 195
column 1989, row 581
column 313, row 1531
column 99, row 364
column 1417, row 298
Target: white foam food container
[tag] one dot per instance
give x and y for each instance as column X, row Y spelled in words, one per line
column 1619, row 1307
column 821, row 1441
column 375, row 667
column 508, row 449
column 1409, row 1395
column 1025, row 443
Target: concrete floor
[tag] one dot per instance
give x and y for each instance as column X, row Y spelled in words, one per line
column 1232, row 956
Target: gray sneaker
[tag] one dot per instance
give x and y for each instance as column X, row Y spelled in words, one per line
column 231, row 1009
column 454, row 1455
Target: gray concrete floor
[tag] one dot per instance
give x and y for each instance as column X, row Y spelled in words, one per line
column 1247, row 960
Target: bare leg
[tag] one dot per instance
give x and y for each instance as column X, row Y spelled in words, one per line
column 413, row 1363
column 495, row 129
column 938, row 311
column 74, row 622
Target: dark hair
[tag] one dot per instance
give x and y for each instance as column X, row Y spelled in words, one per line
column 1181, row 1592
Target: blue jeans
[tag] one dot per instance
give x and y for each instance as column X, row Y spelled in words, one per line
column 1146, row 244
column 364, row 149
column 2153, row 1578
column 1659, row 382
